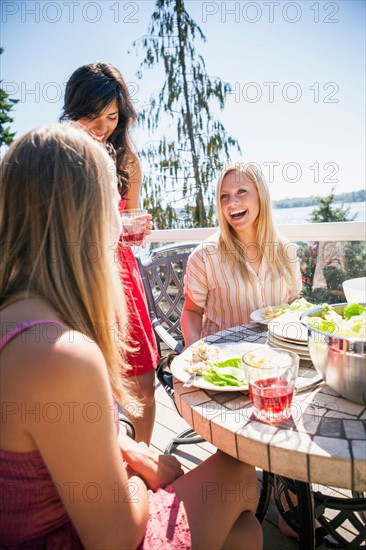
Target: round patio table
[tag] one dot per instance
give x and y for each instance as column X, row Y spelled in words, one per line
column 324, row 442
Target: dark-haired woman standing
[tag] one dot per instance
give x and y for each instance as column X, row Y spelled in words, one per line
column 97, row 97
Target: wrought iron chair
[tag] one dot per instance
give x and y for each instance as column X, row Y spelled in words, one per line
column 126, row 425
column 162, row 275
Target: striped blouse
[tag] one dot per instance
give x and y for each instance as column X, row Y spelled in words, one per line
column 226, row 297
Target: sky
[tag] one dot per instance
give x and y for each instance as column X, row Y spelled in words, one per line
column 297, row 72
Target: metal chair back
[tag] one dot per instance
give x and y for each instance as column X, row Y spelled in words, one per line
column 162, row 275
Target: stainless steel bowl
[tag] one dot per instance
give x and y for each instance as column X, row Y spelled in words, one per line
column 339, row 360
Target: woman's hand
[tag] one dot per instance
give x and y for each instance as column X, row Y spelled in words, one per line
column 157, row 470
column 148, row 228
column 136, row 224
column 149, row 224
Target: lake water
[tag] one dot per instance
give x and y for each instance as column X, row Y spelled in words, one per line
column 302, row 214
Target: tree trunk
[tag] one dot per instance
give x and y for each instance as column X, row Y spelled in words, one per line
column 201, row 216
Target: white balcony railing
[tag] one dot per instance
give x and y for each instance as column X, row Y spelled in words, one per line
column 335, row 231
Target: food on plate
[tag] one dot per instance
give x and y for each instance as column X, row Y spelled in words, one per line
column 298, row 306
column 225, row 373
column 352, row 324
column 271, row 312
column 353, row 309
column 267, row 358
column 205, row 362
column 202, row 354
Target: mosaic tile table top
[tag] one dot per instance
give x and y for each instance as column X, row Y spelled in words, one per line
column 323, row 442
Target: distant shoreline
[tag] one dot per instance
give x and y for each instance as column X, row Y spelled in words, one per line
column 302, row 214
column 297, row 202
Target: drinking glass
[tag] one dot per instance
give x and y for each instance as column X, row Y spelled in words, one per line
column 271, row 376
column 133, row 226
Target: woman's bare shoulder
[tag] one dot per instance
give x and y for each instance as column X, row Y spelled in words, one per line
column 77, row 354
column 54, row 363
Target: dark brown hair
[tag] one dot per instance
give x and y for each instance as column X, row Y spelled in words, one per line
column 88, row 92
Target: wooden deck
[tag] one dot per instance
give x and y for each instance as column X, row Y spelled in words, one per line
column 169, row 423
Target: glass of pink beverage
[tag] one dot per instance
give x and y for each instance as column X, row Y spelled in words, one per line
column 271, row 376
column 133, row 226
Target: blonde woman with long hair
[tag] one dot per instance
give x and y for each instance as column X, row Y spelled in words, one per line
column 67, row 481
column 245, row 266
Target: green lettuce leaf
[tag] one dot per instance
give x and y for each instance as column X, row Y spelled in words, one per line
column 351, row 326
column 232, row 362
column 353, row 309
column 225, row 373
column 322, row 324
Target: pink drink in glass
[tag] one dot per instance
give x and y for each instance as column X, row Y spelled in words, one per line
column 133, row 237
column 133, row 226
column 271, row 399
column 271, row 379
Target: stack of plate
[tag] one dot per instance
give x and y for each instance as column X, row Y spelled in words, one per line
column 286, row 332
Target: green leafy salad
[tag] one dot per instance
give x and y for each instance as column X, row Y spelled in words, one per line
column 298, row 306
column 225, row 373
column 204, row 361
column 352, row 324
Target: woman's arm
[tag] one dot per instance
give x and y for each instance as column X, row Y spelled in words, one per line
column 191, row 321
column 135, row 180
column 296, row 283
column 133, row 198
column 81, row 451
column 156, row 469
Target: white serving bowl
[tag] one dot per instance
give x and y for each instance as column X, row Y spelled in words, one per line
column 340, row 361
column 355, row 290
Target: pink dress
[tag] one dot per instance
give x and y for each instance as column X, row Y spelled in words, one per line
column 33, row 517
column 146, row 357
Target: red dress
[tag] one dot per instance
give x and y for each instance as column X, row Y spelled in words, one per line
column 146, row 356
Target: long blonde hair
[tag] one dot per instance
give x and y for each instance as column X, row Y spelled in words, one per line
column 271, row 244
column 55, row 207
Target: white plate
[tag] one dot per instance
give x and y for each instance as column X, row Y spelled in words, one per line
column 288, row 327
column 226, row 351
column 291, row 344
column 288, row 344
column 258, row 316
column 284, row 347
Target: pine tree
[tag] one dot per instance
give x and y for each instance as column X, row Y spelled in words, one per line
column 6, row 105
column 189, row 161
column 326, row 212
